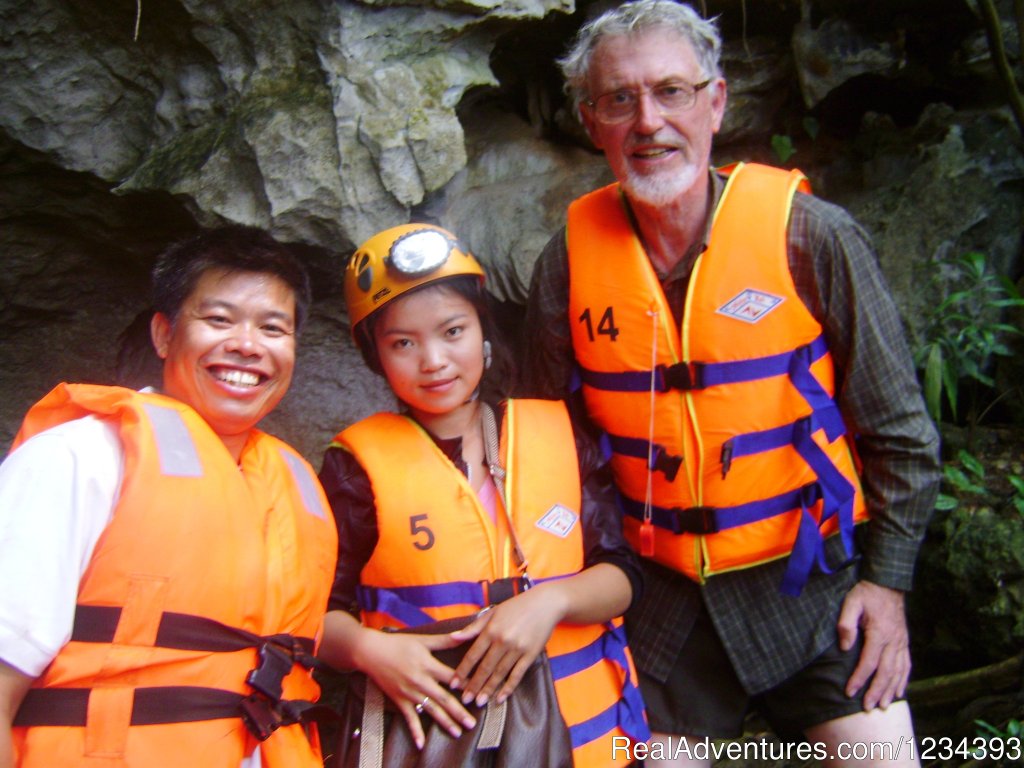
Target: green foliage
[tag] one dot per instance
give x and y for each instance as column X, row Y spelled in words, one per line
column 782, row 143
column 964, row 333
column 783, row 147
column 1017, row 500
column 984, row 560
column 1013, row 727
column 965, row 477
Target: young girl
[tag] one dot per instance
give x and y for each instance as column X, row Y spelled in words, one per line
column 420, row 515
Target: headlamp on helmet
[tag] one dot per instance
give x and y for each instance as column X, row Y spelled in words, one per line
column 419, row 253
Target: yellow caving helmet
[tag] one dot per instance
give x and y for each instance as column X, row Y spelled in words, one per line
column 399, row 259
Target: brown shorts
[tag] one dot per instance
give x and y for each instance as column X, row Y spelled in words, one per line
column 703, row 696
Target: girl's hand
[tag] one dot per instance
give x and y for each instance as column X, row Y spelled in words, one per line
column 406, row 671
column 509, row 637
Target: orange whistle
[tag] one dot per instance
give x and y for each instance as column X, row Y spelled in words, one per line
column 647, row 539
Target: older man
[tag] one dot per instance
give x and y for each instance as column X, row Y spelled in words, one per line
column 735, row 340
column 166, row 565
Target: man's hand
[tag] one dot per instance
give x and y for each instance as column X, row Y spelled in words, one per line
column 885, row 656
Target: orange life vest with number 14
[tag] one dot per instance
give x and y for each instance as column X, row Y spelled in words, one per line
column 746, row 452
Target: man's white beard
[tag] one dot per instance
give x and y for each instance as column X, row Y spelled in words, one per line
column 660, row 188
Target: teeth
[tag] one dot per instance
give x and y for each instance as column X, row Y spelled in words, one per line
column 651, row 152
column 239, row 378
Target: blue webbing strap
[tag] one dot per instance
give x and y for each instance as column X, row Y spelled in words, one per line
column 627, row 712
column 837, row 492
column 730, row 517
column 711, row 374
column 388, row 602
column 837, row 495
column 751, row 443
column 406, row 604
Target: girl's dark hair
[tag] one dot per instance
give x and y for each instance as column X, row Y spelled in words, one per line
column 232, row 248
column 498, row 381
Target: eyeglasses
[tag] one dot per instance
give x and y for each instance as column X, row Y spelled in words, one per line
column 622, row 105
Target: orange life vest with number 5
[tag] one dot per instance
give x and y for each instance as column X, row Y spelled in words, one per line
column 439, row 554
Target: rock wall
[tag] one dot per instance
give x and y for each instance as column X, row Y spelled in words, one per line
column 324, row 121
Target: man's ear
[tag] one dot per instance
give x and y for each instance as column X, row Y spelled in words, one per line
column 160, row 330
column 719, row 94
column 590, row 124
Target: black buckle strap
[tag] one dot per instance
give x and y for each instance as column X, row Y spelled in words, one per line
column 153, row 706
column 150, row 706
column 701, row 520
column 268, row 677
column 264, row 711
column 682, row 376
column 98, row 624
column 259, row 716
column 500, row 590
column 726, row 457
column 666, row 463
column 262, row 717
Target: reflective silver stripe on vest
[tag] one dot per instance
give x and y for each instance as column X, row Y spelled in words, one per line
column 177, row 451
column 306, row 483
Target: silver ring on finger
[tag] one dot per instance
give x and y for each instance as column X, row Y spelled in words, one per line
column 422, row 705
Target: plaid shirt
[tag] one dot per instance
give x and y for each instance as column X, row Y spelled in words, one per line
column 770, row 636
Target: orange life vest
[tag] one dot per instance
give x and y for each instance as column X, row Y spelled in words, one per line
column 440, row 554
column 203, row 560
column 746, row 453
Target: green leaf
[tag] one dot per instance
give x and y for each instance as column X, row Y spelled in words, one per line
column 783, row 147
column 949, row 382
column 811, row 127
column 971, row 463
column 957, row 478
column 933, row 382
column 975, row 260
column 984, row 727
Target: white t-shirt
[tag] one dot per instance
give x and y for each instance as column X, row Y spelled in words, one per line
column 57, row 495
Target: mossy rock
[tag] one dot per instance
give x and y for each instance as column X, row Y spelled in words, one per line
column 968, row 606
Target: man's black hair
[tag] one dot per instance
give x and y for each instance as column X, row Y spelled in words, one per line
column 233, row 248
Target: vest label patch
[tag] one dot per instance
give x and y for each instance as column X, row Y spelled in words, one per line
column 558, row 520
column 749, row 305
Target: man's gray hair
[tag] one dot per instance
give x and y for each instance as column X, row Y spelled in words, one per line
column 637, row 17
